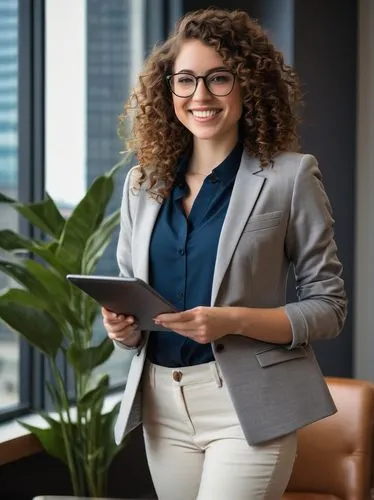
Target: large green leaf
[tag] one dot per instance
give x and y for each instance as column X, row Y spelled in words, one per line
column 86, row 359
column 26, row 314
column 11, row 241
column 95, row 397
column 54, row 282
column 51, row 245
column 51, row 439
column 44, row 214
column 24, row 277
column 98, row 242
column 57, row 293
column 47, row 286
column 84, row 221
column 91, row 308
column 5, row 199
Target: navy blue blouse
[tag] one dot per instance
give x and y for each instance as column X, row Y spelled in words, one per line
column 182, row 256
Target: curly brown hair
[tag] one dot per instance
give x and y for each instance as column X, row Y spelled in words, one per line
column 270, row 90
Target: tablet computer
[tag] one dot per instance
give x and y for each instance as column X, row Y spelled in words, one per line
column 128, row 296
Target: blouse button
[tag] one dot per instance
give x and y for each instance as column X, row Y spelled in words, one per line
column 181, row 251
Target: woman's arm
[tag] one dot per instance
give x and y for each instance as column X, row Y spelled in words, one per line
column 268, row 325
column 310, row 245
column 206, row 324
column 119, row 328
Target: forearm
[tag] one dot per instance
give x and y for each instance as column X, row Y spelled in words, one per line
column 268, row 325
column 205, row 324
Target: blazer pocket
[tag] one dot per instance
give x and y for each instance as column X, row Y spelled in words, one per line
column 279, row 355
column 263, row 221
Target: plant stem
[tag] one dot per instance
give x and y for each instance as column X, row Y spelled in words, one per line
column 67, row 436
column 81, row 423
column 90, row 445
column 90, row 471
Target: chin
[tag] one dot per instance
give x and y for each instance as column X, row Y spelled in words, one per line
column 206, row 137
column 204, row 134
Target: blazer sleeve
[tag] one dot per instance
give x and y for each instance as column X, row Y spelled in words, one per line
column 322, row 307
column 124, row 246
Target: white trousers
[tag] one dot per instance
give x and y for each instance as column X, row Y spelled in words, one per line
column 195, row 446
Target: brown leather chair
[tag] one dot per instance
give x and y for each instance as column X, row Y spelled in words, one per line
column 335, row 455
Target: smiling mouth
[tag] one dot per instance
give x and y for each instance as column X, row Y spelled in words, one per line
column 205, row 114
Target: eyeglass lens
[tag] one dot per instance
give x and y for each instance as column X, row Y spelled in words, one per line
column 219, row 83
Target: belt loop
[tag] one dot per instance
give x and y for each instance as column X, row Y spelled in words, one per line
column 151, row 369
column 153, row 376
column 215, row 373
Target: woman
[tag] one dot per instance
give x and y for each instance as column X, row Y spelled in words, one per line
column 218, row 209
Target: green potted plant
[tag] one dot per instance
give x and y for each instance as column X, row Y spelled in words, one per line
column 57, row 318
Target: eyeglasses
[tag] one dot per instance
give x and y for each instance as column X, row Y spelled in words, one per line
column 219, row 83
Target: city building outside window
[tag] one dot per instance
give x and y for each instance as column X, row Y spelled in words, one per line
column 9, row 342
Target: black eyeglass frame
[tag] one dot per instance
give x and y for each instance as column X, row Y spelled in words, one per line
column 204, row 79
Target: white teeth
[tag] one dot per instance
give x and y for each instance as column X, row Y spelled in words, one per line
column 204, row 114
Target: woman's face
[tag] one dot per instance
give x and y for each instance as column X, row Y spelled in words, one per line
column 206, row 116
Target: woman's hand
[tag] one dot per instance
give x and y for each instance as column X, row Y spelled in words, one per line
column 202, row 324
column 206, row 324
column 121, row 328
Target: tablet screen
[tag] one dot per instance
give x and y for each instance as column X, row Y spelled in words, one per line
column 128, row 296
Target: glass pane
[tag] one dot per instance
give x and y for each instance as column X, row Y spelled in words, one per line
column 85, row 95
column 9, row 343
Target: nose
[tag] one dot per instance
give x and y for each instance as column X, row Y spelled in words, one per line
column 201, row 91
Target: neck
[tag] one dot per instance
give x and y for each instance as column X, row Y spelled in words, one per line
column 206, row 154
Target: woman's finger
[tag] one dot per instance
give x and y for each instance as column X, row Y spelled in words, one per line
column 123, row 333
column 182, row 317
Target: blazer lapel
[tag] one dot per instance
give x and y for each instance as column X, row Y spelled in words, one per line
column 147, row 214
column 247, row 188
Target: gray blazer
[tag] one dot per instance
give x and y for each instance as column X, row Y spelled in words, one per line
column 276, row 216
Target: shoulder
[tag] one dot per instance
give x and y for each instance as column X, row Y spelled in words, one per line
column 293, row 162
column 141, row 184
column 289, row 167
column 135, row 182
column 133, row 177
column 138, row 180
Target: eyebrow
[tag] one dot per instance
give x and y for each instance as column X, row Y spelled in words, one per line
column 218, row 68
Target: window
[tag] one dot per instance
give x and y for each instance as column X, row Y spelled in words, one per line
column 9, row 342
column 88, row 78
column 66, row 67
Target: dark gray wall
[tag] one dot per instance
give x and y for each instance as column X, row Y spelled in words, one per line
column 320, row 40
column 325, row 57
column 277, row 18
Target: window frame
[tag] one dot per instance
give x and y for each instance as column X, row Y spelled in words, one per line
column 31, row 19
